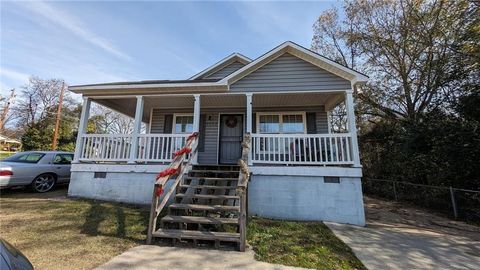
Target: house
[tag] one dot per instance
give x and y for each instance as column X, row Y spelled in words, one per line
column 300, row 169
column 9, row 144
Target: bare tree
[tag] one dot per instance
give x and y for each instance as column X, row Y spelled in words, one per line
column 405, row 46
column 105, row 120
column 38, row 100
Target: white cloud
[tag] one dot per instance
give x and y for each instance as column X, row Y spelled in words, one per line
column 74, row 25
column 13, row 75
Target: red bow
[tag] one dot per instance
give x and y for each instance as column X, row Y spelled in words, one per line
column 158, row 191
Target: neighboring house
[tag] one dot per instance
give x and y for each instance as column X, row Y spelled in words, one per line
column 9, row 144
column 300, row 169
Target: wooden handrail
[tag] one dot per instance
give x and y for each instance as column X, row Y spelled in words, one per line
column 180, row 163
column 242, row 190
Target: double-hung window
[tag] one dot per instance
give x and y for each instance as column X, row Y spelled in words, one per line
column 182, row 124
column 279, row 123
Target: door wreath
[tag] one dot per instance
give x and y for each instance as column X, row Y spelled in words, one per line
column 231, row 121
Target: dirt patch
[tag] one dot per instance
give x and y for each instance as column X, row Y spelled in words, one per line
column 383, row 213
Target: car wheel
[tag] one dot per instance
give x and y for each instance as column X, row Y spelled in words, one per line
column 43, row 182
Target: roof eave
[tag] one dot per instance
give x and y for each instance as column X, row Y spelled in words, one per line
column 148, row 89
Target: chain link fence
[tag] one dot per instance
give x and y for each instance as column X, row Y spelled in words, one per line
column 462, row 204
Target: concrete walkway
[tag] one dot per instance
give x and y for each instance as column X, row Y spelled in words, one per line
column 401, row 237
column 155, row 257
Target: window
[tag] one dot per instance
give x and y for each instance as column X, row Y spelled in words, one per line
column 63, row 159
column 281, row 123
column 183, row 124
column 29, row 157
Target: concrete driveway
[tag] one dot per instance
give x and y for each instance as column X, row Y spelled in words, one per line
column 172, row 258
column 399, row 237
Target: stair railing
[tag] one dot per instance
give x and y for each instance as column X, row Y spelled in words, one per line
column 179, row 166
column 242, row 190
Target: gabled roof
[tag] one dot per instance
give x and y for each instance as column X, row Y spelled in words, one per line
column 197, row 83
column 234, row 57
column 302, row 53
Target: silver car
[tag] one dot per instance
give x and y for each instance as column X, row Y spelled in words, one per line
column 40, row 170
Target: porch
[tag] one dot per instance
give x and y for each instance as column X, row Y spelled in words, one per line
column 288, row 129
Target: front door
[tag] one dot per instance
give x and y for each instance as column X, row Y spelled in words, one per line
column 231, row 136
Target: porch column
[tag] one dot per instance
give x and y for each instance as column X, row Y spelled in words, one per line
column 352, row 129
column 249, row 122
column 137, row 126
column 82, row 128
column 196, row 121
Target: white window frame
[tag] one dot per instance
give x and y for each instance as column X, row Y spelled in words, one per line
column 281, row 114
column 174, row 121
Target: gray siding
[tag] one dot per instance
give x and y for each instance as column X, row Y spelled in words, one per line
column 322, row 122
column 224, row 72
column 209, row 156
column 290, row 73
column 157, row 124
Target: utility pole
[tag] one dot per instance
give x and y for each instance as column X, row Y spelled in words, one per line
column 3, row 117
column 57, row 123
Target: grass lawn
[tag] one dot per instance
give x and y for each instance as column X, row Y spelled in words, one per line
column 302, row 244
column 59, row 233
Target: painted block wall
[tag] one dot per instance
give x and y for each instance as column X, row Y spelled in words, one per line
column 127, row 187
column 306, row 198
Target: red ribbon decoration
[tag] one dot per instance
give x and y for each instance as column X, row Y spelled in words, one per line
column 166, row 172
column 182, row 151
column 158, row 191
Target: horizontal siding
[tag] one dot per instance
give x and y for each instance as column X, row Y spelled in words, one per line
column 157, row 122
column 322, row 121
column 209, row 156
column 224, row 72
column 290, row 73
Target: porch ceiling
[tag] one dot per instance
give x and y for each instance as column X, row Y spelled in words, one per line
column 127, row 105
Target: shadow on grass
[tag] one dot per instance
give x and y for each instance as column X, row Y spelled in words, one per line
column 120, row 221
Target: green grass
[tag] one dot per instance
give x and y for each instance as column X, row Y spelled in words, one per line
column 301, row 244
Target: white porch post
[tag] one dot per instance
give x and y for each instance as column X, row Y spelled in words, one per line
column 196, row 121
column 249, row 122
column 137, row 126
column 329, row 121
column 82, row 128
column 352, row 129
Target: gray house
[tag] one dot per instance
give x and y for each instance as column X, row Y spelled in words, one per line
column 300, row 169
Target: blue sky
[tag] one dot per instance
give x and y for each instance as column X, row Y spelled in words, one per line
column 92, row 42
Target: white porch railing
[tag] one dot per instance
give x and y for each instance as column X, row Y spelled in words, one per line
column 159, row 147
column 117, row 147
column 105, row 147
column 307, row 149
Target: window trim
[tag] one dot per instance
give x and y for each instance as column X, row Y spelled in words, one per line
column 175, row 115
column 281, row 114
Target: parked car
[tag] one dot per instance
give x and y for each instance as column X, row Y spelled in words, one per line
column 11, row 258
column 40, row 170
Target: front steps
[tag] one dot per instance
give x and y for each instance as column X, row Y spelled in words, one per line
column 205, row 209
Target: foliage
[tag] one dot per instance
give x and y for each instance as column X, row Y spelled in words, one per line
column 406, row 47
column 38, row 135
column 418, row 115
column 301, row 244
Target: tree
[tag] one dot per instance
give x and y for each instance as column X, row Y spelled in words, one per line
column 104, row 120
column 405, row 47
